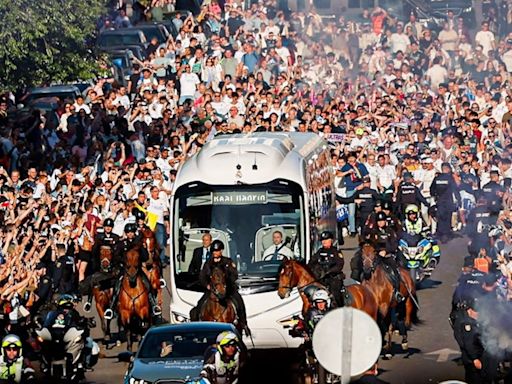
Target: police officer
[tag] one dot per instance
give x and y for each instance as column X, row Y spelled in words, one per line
column 478, row 223
column 319, row 308
column 327, row 266
column 493, row 193
column 409, row 193
column 443, row 189
column 140, row 220
column 130, row 242
column 469, row 286
column 218, row 260
column 64, row 270
column 44, row 289
column 367, row 197
column 413, row 223
column 391, row 218
column 101, row 277
column 14, row 368
column 371, row 220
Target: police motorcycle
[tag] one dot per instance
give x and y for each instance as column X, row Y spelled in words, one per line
column 67, row 349
column 418, row 252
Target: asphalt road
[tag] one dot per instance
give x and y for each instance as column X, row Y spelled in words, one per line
column 432, row 348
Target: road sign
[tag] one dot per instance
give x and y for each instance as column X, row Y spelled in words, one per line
column 347, row 342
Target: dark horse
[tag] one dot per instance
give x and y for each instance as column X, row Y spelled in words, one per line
column 378, row 280
column 218, row 306
column 133, row 299
column 102, row 297
column 152, row 268
column 294, row 274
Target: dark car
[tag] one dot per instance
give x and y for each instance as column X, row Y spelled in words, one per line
column 151, row 30
column 173, row 353
column 121, row 38
column 137, row 51
column 63, row 92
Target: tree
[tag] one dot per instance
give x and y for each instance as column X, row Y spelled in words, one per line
column 47, row 41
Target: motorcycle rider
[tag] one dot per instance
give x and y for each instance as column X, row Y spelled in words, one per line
column 321, row 305
column 104, row 274
column 14, row 368
column 413, row 223
column 131, row 241
column 222, row 364
column 217, row 259
column 327, row 266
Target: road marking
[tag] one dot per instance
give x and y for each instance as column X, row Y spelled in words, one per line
column 443, row 354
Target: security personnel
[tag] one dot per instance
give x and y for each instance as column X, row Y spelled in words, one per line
column 409, row 193
column 371, row 219
column 467, row 333
column 413, row 223
column 14, row 368
column 44, row 290
column 131, row 242
column 478, row 223
column 101, row 277
column 106, row 238
column 469, row 286
column 327, row 266
column 367, row 197
column 493, row 192
column 443, row 189
column 64, row 270
column 391, row 218
column 140, row 220
column 217, row 260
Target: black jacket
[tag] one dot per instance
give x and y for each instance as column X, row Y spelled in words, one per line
column 197, row 261
column 229, row 268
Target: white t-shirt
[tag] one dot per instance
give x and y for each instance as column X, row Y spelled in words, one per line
column 159, row 207
column 486, row 40
column 399, row 42
column 386, row 175
column 188, row 83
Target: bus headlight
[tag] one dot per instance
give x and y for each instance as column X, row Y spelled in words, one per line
column 179, row 318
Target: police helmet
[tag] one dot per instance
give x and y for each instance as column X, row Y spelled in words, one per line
column 108, row 223
column 227, row 338
column 11, row 341
column 130, row 227
column 325, row 235
column 66, row 301
column 217, row 245
column 321, row 295
column 139, row 215
column 386, row 205
column 411, row 208
column 378, row 203
column 381, row 216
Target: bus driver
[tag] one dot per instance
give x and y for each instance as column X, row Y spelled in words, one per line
column 278, row 249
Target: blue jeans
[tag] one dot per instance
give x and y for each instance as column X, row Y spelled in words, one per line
column 351, row 213
column 161, row 239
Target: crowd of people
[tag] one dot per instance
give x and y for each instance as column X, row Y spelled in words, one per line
column 414, row 116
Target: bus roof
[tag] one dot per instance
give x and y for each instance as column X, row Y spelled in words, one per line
column 251, row 159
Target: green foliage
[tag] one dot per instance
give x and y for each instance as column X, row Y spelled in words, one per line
column 47, row 41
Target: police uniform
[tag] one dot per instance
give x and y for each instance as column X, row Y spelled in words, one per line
column 101, row 240
column 443, row 189
column 469, row 287
column 368, row 197
column 64, row 274
column 491, row 192
column 231, row 277
column 329, row 261
column 477, row 226
column 408, row 193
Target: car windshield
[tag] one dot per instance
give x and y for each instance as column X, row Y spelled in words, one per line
column 176, row 345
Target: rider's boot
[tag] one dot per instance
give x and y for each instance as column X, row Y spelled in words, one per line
column 88, row 303
column 241, row 313
column 109, row 313
column 157, row 311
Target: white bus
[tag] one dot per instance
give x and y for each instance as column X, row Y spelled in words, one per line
column 241, row 189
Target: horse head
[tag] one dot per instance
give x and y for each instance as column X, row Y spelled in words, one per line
column 218, row 284
column 368, row 255
column 132, row 266
column 105, row 257
column 287, row 278
column 150, row 244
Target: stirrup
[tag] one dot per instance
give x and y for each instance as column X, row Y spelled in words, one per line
column 163, row 284
column 87, row 306
column 157, row 311
column 109, row 314
column 399, row 297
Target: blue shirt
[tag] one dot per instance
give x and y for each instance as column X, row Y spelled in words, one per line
column 353, row 180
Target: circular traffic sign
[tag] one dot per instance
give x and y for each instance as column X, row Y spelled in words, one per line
column 347, row 342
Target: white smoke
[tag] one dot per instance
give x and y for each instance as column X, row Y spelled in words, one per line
column 495, row 326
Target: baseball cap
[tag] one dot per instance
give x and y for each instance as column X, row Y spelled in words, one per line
column 359, row 131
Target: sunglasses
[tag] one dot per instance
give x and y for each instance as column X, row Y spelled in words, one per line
column 12, row 348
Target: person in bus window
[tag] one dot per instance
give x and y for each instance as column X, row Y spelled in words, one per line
column 278, row 249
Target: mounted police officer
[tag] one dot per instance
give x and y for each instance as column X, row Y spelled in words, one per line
column 129, row 242
column 104, row 275
column 218, row 260
column 327, row 266
column 385, row 241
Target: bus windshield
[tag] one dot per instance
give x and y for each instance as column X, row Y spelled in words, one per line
column 258, row 224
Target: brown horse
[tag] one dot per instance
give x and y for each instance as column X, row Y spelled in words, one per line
column 294, row 274
column 377, row 279
column 218, row 307
column 134, row 314
column 102, row 297
column 152, row 268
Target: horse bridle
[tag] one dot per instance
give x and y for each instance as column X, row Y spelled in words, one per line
column 372, row 268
